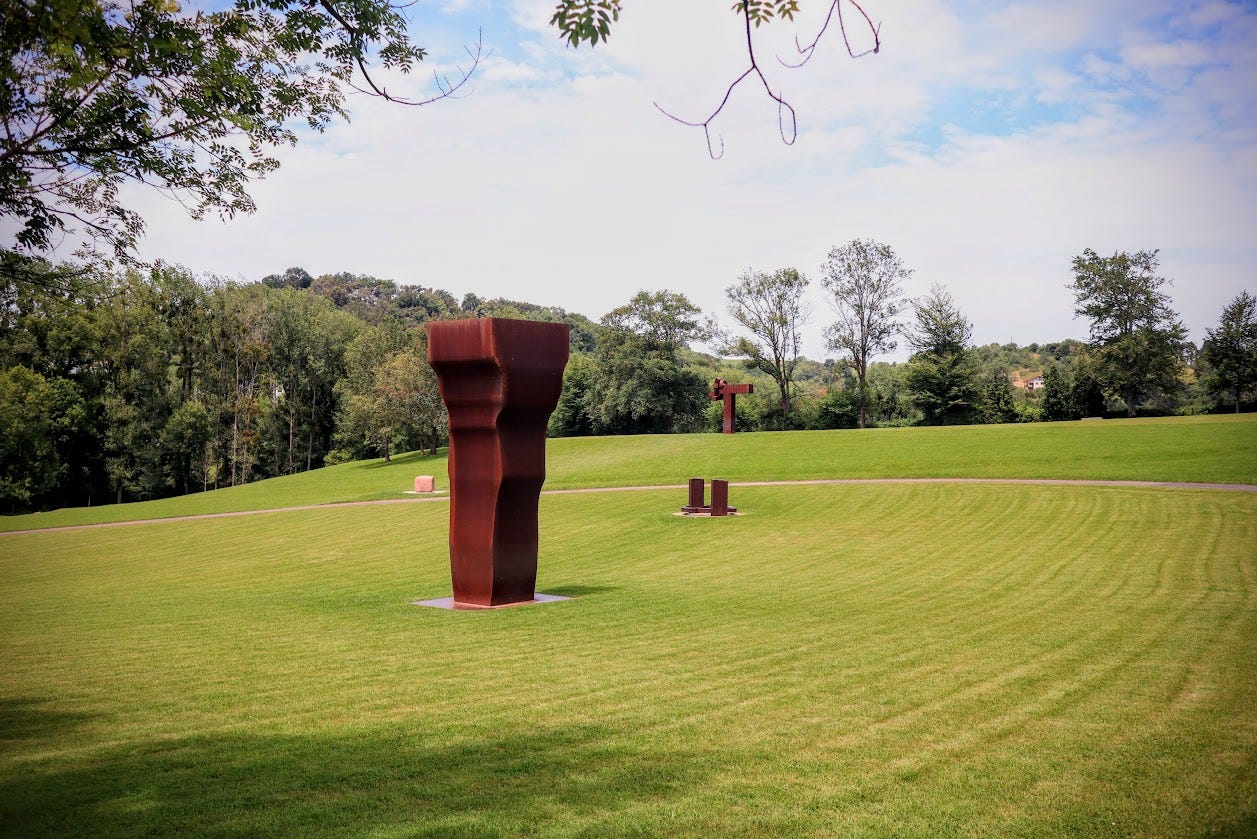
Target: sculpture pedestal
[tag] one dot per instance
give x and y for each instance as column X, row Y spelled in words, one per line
column 454, row 606
column 500, row 380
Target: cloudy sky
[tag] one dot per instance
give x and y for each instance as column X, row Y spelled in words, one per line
column 988, row 143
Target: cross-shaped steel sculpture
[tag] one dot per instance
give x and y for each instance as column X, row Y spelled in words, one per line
column 720, row 389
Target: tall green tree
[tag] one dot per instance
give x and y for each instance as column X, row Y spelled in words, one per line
column 98, row 93
column 240, row 378
column 1231, row 349
column 943, row 372
column 410, row 399
column 863, row 279
column 28, row 467
column 1058, row 395
column 185, row 442
column 359, row 424
column 139, row 392
column 771, row 308
column 1087, row 392
column 1137, row 338
column 663, row 320
column 308, row 337
column 571, row 415
column 641, row 386
column 996, row 402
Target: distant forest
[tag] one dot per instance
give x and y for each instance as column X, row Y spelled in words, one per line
column 142, row 384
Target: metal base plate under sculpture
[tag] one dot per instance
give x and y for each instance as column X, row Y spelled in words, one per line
column 500, row 380
column 451, row 603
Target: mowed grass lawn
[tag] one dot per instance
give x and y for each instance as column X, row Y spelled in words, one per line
column 890, row 660
column 1216, row 449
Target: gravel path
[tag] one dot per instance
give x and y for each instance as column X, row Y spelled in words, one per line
column 820, row 482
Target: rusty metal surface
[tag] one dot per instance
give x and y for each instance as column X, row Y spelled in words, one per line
column 697, row 504
column 723, row 391
column 719, row 497
column 697, row 501
column 500, row 380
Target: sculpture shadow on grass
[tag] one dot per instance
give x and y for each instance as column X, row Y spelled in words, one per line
column 578, row 590
column 394, row 780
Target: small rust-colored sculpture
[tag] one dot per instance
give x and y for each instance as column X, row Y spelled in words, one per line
column 697, row 504
column 500, row 380
column 698, row 497
column 720, row 389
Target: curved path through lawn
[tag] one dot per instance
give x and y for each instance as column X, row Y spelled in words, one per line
column 444, row 496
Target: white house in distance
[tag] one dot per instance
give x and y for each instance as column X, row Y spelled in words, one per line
column 1034, row 384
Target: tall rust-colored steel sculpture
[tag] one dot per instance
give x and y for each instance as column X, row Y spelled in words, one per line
column 500, row 380
column 722, row 390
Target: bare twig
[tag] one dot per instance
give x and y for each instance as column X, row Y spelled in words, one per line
column 447, row 90
column 442, row 82
column 782, row 105
column 784, row 108
column 835, row 8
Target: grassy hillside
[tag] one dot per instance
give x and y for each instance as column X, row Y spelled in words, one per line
column 906, row 660
column 1219, row 449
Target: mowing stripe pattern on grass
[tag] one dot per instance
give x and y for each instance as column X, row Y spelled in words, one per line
column 924, row 659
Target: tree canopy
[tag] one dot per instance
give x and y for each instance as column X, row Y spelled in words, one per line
column 771, row 308
column 1231, row 348
column 943, row 373
column 863, row 279
column 151, row 383
column 1138, row 339
column 96, row 93
column 641, row 386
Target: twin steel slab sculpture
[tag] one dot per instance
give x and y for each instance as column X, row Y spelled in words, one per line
column 500, row 380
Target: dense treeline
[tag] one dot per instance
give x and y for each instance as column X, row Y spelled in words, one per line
column 121, row 387
column 138, row 385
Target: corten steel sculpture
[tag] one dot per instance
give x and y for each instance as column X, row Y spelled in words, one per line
column 697, row 504
column 720, row 389
column 500, row 380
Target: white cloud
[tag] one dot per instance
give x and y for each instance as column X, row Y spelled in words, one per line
column 556, row 181
column 499, row 70
column 1210, row 14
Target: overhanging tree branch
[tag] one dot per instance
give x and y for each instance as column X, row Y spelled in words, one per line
column 835, row 10
column 763, row 12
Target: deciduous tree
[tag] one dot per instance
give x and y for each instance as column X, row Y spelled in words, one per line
column 996, row 403
column 1138, row 340
column 98, row 93
column 571, row 415
column 662, row 319
column 863, row 278
column 28, row 466
column 771, row 308
column 409, row 398
column 641, row 385
column 1058, row 402
column 1231, row 348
